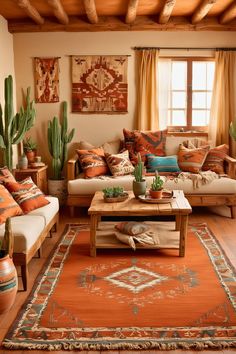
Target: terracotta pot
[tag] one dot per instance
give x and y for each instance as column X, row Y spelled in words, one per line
column 31, row 155
column 155, row 194
column 8, row 283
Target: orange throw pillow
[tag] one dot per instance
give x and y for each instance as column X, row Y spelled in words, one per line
column 191, row 160
column 215, row 159
column 8, row 206
column 6, row 175
column 27, row 195
column 93, row 162
column 150, row 142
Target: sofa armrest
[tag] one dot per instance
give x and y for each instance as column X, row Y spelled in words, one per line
column 230, row 164
column 72, row 167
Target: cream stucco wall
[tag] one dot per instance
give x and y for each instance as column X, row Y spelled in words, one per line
column 96, row 128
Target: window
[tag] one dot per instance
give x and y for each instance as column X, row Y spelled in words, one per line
column 190, row 92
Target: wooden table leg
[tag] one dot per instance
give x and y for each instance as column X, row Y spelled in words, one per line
column 93, row 228
column 177, row 222
column 183, row 234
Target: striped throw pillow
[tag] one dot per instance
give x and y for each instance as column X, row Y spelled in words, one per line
column 8, row 206
column 191, row 160
column 215, row 159
column 27, row 195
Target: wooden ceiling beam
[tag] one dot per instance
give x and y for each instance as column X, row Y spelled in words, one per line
column 111, row 23
column 58, row 11
column 131, row 11
column 31, row 11
column 166, row 11
column 202, row 10
column 91, row 12
column 229, row 14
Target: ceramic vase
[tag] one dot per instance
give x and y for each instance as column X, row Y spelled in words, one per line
column 23, row 162
column 8, row 283
column 139, row 188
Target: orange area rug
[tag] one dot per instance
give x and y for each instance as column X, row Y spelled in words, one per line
column 121, row 299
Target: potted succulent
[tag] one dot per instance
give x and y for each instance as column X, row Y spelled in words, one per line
column 156, row 187
column 30, row 149
column 139, row 182
column 114, row 194
column 58, row 138
column 8, row 274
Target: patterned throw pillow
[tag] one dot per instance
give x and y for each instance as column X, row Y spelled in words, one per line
column 129, row 144
column 27, row 194
column 162, row 164
column 6, row 175
column 150, row 143
column 119, row 164
column 8, row 206
column 215, row 159
column 191, row 160
column 93, row 162
column 132, row 227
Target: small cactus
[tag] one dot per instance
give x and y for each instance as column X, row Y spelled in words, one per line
column 138, row 170
column 157, row 182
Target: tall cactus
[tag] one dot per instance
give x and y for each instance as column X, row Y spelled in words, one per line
column 232, row 130
column 13, row 127
column 58, row 138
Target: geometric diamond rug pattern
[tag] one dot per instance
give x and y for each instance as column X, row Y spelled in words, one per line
column 125, row 299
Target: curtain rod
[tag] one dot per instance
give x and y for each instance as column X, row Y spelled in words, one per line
column 183, row 48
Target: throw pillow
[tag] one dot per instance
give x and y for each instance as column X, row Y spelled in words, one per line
column 119, row 164
column 129, row 144
column 162, row 164
column 191, row 160
column 132, row 227
column 27, row 195
column 150, row 143
column 6, row 175
column 93, row 162
column 215, row 159
column 8, row 206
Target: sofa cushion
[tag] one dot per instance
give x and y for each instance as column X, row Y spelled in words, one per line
column 119, row 164
column 191, row 160
column 27, row 194
column 110, row 147
column 6, row 175
column 215, row 159
column 47, row 211
column 150, row 142
column 162, row 164
column 8, row 206
column 129, row 144
column 93, row 162
column 132, row 227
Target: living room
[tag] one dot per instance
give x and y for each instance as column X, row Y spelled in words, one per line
column 18, row 52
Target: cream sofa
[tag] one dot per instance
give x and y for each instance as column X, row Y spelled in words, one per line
column 30, row 230
column 220, row 191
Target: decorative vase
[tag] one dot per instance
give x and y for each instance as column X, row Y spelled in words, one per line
column 139, row 188
column 155, row 194
column 23, row 162
column 58, row 188
column 8, row 283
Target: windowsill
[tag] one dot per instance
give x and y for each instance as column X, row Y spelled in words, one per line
column 188, row 133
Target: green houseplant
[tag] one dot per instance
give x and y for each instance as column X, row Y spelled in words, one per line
column 139, row 182
column 8, row 274
column 30, row 149
column 156, row 186
column 13, row 127
column 58, row 138
column 114, row 194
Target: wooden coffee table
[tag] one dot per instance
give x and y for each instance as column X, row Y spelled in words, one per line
column 179, row 207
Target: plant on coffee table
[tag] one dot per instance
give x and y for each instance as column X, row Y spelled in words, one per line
column 111, row 194
column 139, row 182
column 156, row 186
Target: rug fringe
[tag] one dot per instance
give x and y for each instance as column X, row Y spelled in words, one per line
column 122, row 346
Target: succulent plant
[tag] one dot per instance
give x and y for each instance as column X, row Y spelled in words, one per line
column 111, row 192
column 29, row 144
column 157, row 182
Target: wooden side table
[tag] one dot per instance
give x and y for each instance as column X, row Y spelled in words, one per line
column 38, row 175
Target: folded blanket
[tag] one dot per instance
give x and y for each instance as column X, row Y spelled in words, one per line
column 203, row 177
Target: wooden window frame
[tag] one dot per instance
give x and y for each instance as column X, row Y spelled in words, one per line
column 189, row 127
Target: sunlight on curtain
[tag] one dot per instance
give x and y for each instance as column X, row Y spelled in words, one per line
column 223, row 99
column 147, row 106
column 164, row 85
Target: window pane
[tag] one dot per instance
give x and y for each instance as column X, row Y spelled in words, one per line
column 200, row 117
column 199, row 76
column 199, row 100
column 179, row 117
column 210, row 75
column 179, row 75
column 178, row 99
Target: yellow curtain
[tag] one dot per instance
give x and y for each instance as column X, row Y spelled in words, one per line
column 147, row 98
column 223, row 99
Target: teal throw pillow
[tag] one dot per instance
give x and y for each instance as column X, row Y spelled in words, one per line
column 162, row 164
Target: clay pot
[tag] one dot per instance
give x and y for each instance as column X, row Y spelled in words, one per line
column 139, row 188
column 30, row 154
column 8, row 283
column 155, row 194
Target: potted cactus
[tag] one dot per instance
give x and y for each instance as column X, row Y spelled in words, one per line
column 30, row 149
column 13, row 127
column 139, row 182
column 156, row 187
column 58, row 138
